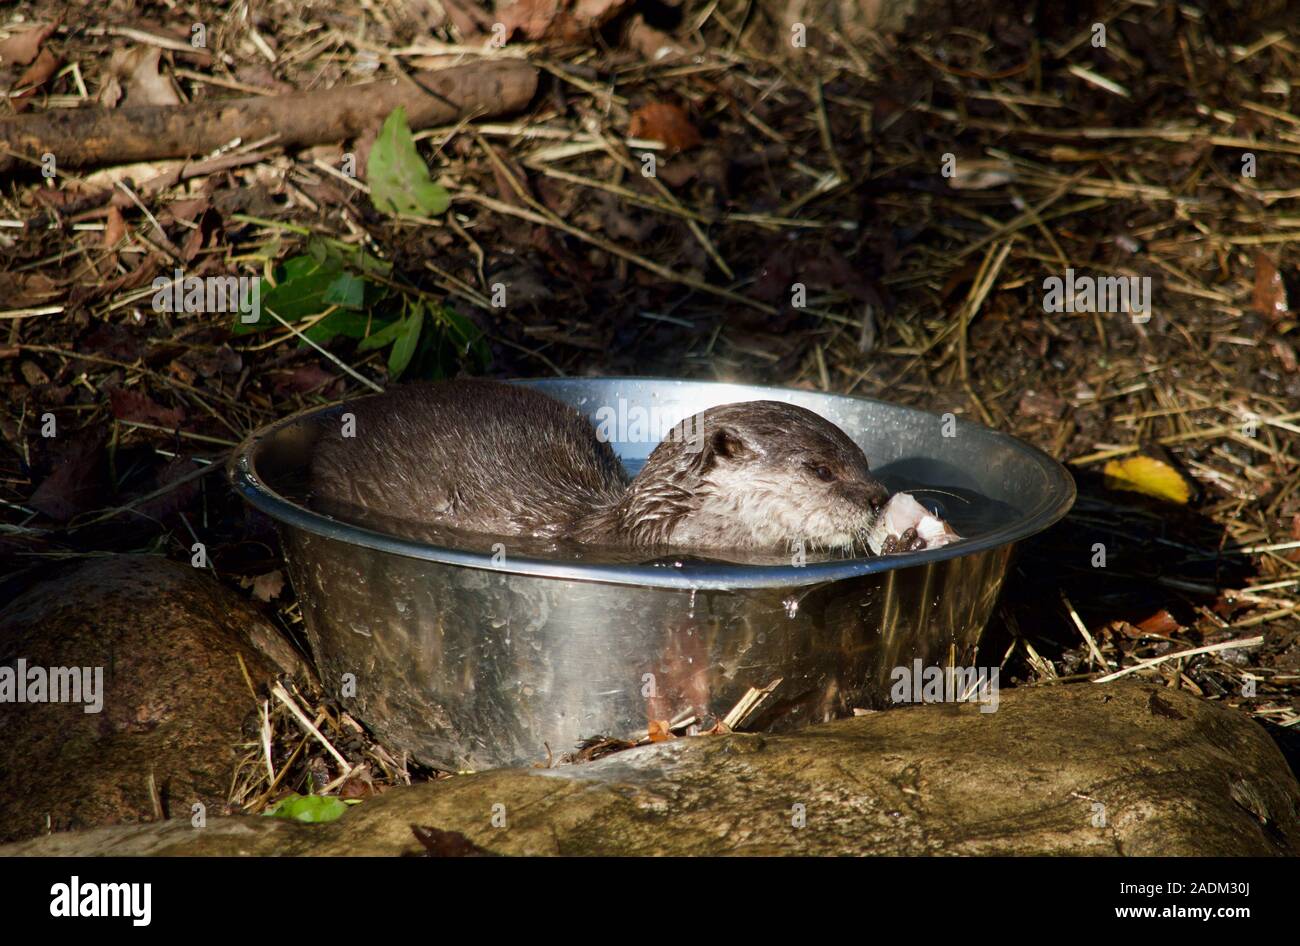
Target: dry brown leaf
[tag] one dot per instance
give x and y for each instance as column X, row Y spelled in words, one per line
column 655, row 45
column 1042, row 404
column 663, row 121
column 301, row 380
column 214, row 361
column 192, row 245
column 113, row 341
column 1294, row 554
column 268, row 587
column 1270, row 290
column 32, row 289
column 33, row 77
column 142, row 409
column 21, row 48
column 76, row 480
column 123, row 61
column 596, row 11
column 181, row 372
column 177, row 497
column 110, row 93
column 148, row 86
column 1285, row 353
column 468, row 18
column 139, row 68
column 114, row 227
column 1122, row 627
column 33, row 373
column 1162, row 622
column 533, row 19
column 564, row 20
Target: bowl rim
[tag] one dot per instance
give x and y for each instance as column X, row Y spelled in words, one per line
column 690, row 575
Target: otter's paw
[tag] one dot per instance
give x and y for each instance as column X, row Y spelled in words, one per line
column 907, row 541
column 904, row 525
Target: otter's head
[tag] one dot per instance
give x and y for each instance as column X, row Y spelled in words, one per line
column 757, row 474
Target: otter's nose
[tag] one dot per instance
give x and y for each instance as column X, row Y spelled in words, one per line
column 871, row 494
column 879, row 496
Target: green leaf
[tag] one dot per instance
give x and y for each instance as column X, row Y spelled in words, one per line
column 404, row 347
column 467, row 336
column 313, row 809
column 319, row 250
column 347, row 291
column 339, row 322
column 336, row 253
column 383, row 336
column 307, row 285
column 263, row 322
column 352, row 286
column 309, row 265
column 373, row 265
column 303, row 284
column 398, row 177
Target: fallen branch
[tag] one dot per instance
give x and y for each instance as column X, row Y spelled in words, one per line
column 81, row 137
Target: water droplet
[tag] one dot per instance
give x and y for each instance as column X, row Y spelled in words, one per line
column 791, row 606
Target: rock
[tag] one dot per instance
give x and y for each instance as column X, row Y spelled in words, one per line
column 173, row 695
column 1171, row 774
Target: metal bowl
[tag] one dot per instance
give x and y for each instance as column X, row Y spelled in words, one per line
column 470, row 659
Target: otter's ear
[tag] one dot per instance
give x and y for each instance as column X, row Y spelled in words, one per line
column 722, row 444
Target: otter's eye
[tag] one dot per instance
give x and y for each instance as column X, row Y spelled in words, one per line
column 823, row 473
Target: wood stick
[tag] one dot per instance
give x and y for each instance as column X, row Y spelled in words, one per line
column 1154, row 661
column 80, row 137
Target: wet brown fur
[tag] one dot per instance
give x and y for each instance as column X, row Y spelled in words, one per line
column 502, row 459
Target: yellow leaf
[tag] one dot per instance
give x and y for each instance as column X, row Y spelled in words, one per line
column 1149, row 476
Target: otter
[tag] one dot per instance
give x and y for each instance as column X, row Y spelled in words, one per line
column 489, row 457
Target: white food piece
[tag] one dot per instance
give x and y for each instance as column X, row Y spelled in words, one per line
column 903, row 512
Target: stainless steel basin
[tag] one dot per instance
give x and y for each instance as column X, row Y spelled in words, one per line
column 474, row 657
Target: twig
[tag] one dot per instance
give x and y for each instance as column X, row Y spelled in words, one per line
column 1208, row 649
column 281, row 694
